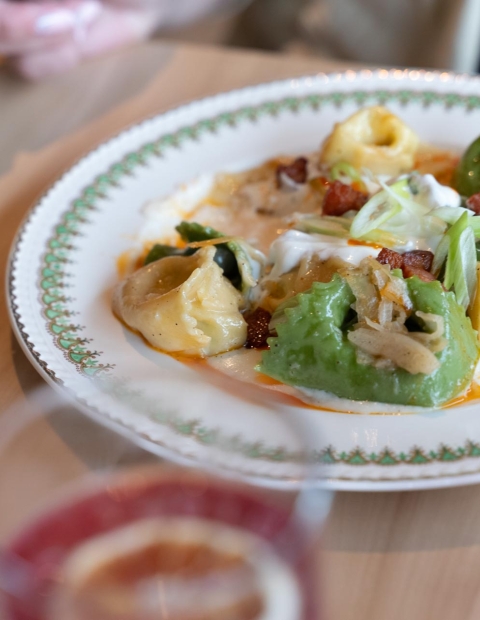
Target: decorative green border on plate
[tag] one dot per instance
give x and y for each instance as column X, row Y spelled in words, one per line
column 67, row 336
column 121, row 391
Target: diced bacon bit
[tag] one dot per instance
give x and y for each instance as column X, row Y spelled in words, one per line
column 257, row 328
column 473, row 203
column 297, row 171
column 341, row 198
column 423, row 274
column 413, row 263
column 389, row 257
column 418, row 258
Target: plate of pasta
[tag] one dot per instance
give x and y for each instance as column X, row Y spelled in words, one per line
column 309, row 245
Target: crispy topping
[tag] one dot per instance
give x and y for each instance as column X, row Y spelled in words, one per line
column 423, row 274
column 341, row 198
column 389, row 257
column 257, row 329
column 296, row 171
column 418, row 258
column 383, row 305
column 413, row 263
column 473, row 203
column 380, row 296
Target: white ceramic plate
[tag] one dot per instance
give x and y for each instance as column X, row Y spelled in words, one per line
column 63, row 268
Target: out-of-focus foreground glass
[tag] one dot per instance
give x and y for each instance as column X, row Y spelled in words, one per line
column 94, row 527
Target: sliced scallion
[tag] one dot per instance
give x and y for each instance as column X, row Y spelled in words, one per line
column 460, row 270
column 333, row 226
column 377, row 211
column 342, row 170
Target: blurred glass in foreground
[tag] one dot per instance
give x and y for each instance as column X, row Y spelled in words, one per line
column 93, row 527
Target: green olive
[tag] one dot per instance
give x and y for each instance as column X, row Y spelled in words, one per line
column 467, row 175
column 225, row 259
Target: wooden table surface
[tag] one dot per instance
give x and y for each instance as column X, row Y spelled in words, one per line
column 388, row 556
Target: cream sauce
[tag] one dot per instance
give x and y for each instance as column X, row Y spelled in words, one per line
column 239, row 218
column 433, row 194
column 292, row 247
column 163, row 214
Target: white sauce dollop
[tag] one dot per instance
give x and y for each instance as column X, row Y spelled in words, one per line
column 430, row 244
column 293, row 246
column 433, row 194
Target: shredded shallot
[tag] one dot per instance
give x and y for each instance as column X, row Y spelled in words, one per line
column 401, row 349
column 381, row 336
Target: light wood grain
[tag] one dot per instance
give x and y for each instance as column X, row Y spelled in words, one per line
column 386, row 556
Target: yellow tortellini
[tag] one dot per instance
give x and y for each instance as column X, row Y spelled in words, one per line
column 372, row 138
column 183, row 305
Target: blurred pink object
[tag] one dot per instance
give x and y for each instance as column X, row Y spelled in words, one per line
column 45, row 38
